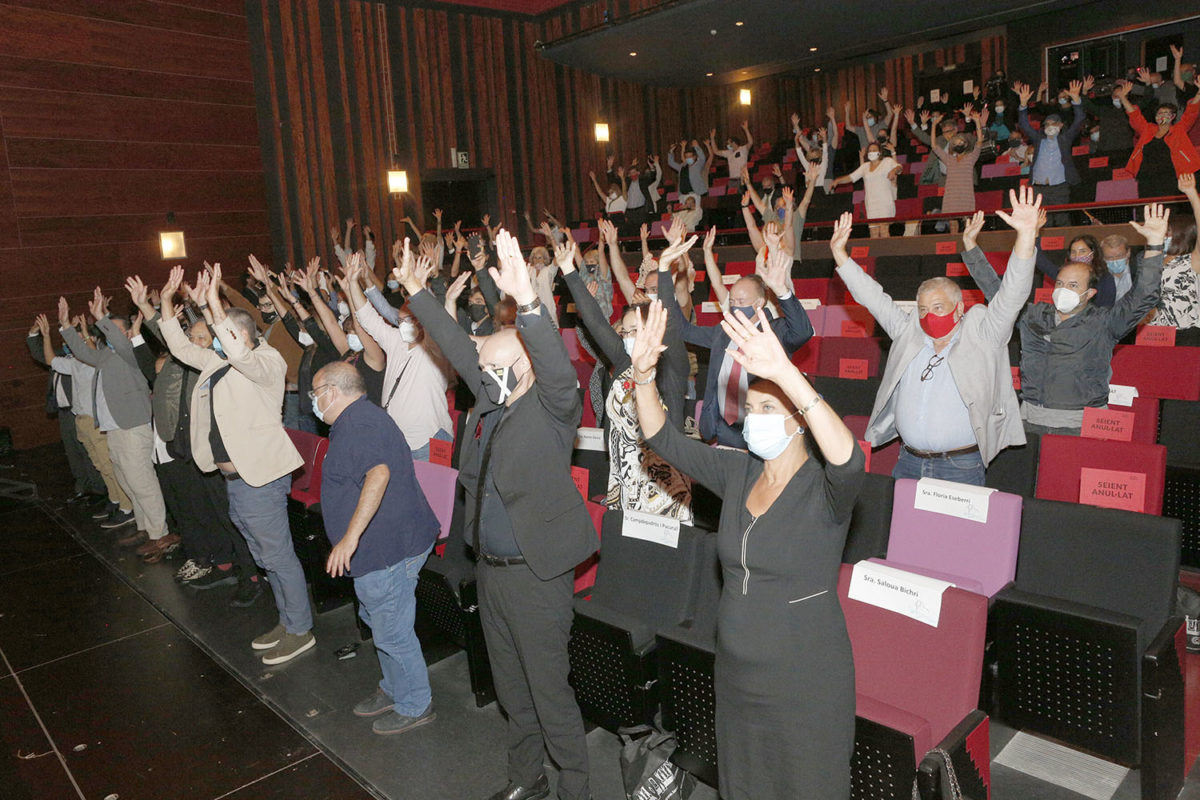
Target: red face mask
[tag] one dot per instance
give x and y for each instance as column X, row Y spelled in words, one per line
column 938, row 325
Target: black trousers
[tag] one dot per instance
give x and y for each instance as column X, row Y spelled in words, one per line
column 1054, row 195
column 87, row 477
column 527, row 623
column 199, row 506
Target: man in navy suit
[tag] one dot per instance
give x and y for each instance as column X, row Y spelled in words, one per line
column 1053, row 172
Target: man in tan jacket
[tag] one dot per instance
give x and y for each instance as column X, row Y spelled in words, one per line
column 237, row 429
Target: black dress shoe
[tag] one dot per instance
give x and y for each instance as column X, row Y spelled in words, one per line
column 539, row 790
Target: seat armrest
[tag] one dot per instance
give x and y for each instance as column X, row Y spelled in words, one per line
column 967, row 746
column 1162, row 652
column 1015, row 597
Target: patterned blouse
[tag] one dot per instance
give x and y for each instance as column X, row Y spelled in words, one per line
column 1179, row 305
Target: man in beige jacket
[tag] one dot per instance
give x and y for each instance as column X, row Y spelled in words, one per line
column 237, row 428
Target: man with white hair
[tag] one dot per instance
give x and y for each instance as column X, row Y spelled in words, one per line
column 947, row 389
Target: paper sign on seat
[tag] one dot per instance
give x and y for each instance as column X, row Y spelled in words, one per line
column 954, row 499
column 650, row 528
column 915, row 596
column 1119, row 395
column 590, row 439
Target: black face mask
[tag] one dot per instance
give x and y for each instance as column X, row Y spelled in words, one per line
column 499, row 387
column 477, row 311
column 267, row 316
column 960, row 147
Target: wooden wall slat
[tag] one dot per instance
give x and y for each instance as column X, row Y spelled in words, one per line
column 80, row 154
column 147, row 13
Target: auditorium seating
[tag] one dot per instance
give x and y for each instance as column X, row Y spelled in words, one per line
column 1014, row 469
column 640, row 586
column 917, row 686
column 308, row 529
column 1180, row 422
column 1169, row 373
column 883, row 459
column 1063, row 460
column 439, row 484
column 1086, row 638
column 977, row 556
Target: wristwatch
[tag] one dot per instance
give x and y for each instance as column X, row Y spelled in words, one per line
column 530, row 307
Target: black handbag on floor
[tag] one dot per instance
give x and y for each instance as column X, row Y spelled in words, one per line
column 648, row 773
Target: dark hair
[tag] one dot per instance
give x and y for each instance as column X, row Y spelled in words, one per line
column 1174, row 109
column 1182, row 230
column 635, row 308
column 1098, row 265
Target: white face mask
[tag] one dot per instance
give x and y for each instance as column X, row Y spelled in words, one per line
column 354, row 342
column 652, row 295
column 316, row 407
column 343, row 309
column 1052, row 131
column 408, row 331
column 1065, row 300
column 999, row 109
column 305, row 339
column 873, row 155
column 393, row 284
column 870, row 121
column 1117, row 102
column 766, row 436
column 628, row 342
column 1095, row 136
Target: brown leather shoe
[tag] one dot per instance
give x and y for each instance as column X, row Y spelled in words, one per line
column 159, row 545
column 132, row 539
column 155, row 551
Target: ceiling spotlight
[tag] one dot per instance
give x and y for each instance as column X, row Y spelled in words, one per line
column 818, row 69
column 812, row 49
column 708, row 74
column 739, row 23
column 633, row 53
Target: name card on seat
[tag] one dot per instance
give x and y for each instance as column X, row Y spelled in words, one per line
column 809, row 303
column 1016, row 375
column 1079, row 150
column 1099, row 161
column 854, row 330
column 580, row 476
column 709, row 307
column 1119, row 395
column 1053, row 242
column 1156, row 335
column 953, row 499
column 914, row 596
column 650, row 528
column 853, row 368
column 1110, row 488
column 1043, row 295
column 440, row 452
column 1106, row 423
column 590, row 439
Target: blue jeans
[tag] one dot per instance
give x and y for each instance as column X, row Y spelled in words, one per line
column 260, row 514
column 967, row 468
column 388, row 604
column 422, row 453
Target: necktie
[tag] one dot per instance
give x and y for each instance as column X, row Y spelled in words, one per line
column 733, row 393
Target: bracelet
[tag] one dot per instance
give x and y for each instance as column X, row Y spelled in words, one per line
column 530, row 307
column 649, row 379
column 811, row 405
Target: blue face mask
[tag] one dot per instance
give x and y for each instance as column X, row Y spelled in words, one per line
column 217, row 347
column 749, row 311
column 781, row 213
column 353, row 342
column 1118, row 265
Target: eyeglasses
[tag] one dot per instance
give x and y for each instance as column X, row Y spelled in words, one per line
column 312, row 394
column 927, row 373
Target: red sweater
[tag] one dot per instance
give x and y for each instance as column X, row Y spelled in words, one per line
column 1183, row 152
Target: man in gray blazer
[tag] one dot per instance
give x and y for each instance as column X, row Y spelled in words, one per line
column 525, row 517
column 947, row 388
column 123, row 413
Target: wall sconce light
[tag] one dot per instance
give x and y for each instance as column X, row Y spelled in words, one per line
column 601, row 131
column 397, row 181
column 172, row 244
column 744, row 97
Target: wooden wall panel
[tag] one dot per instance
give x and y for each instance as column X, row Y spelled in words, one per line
column 116, row 112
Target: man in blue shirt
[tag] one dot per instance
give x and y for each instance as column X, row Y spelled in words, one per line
column 1053, row 172
column 382, row 529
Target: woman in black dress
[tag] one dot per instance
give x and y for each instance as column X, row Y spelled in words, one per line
column 784, row 674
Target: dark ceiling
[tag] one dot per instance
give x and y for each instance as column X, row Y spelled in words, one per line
column 676, row 45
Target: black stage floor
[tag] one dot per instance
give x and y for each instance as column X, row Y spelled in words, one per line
column 118, row 684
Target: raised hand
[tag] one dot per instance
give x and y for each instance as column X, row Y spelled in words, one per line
column 137, row 292
column 437, row 214
column 213, row 290
column 1154, row 228
column 674, row 251
column 64, row 313
column 972, row 229
column 512, row 276
column 795, row 121
column 1088, row 82
column 258, row 270
column 644, row 232
column 1143, row 75
column 778, row 275
column 911, row 117
column 841, row 235
column 812, row 176
column 1073, row 89
column 99, row 305
column 1187, row 183
column 648, row 344
column 759, row 351
column 455, row 289
column 789, row 196
column 1177, row 52
column 42, row 325
column 776, row 171
column 1023, row 92
column 608, row 232
column 1024, row 216
column 564, row 255
column 924, row 117
column 1122, row 89
column 710, row 239
column 135, row 328
column 676, row 232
